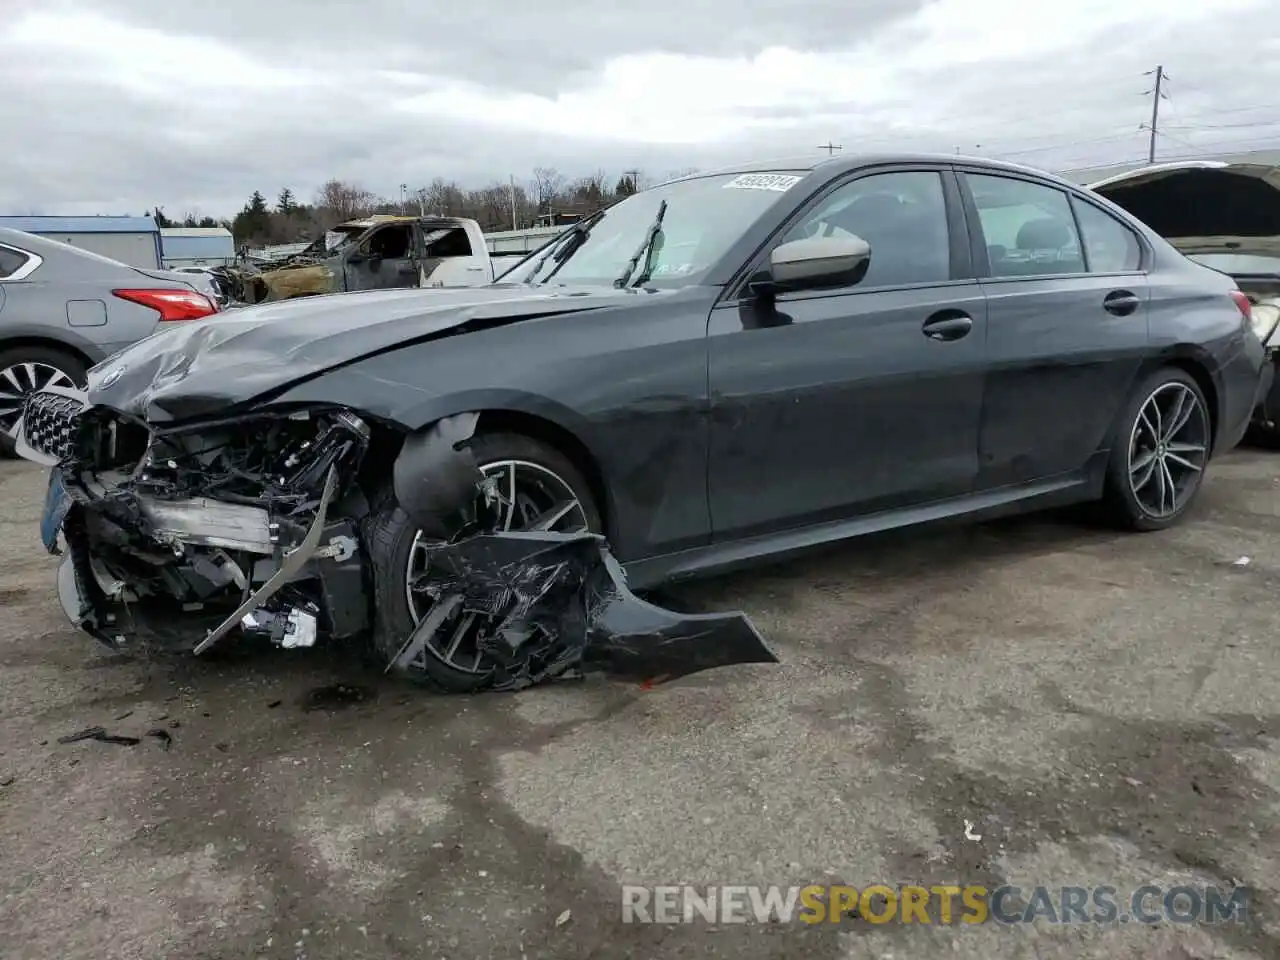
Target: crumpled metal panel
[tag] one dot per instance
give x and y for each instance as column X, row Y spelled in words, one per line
column 561, row 600
column 299, row 281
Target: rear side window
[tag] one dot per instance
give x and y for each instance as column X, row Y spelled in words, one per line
column 10, row 261
column 1027, row 227
column 1110, row 246
column 448, row 243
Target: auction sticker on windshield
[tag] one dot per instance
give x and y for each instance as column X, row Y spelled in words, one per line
column 780, row 182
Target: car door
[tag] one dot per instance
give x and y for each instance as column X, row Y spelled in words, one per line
column 383, row 259
column 1066, row 324
column 833, row 403
column 451, row 259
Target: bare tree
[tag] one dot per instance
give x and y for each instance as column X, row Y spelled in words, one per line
column 443, row 198
column 548, row 184
column 345, row 200
column 592, row 190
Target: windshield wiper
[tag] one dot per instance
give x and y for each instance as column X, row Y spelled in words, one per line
column 571, row 240
column 644, row 250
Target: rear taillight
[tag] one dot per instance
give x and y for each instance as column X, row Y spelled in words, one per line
column 171, row 304
column 1243, row 305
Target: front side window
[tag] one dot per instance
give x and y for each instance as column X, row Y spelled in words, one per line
column 703, row 218
column 389, row 243
column 1110, row 246
column 11, row 261
column 1027, row 227
column 902, row 216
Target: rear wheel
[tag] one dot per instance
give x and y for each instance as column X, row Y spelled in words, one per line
column 24, row 370
column 1160, row 453
column 528, row 485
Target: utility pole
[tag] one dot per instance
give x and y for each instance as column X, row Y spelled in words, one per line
column 1157, row 93
column 514, row 224
column 830, row 147
column 634, row 177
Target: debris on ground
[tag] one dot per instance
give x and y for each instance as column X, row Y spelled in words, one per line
column 165, row 738
column 335, row 696
column 564, row 918
column 100, row 734
column 968, row 831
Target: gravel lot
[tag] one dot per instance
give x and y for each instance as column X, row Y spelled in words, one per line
column 1102, row 708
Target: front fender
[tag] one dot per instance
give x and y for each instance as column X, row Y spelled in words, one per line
column 413, row 408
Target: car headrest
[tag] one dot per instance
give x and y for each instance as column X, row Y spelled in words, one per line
column 1045, row 234
column 866, row 213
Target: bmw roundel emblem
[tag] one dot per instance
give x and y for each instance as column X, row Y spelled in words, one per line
column 111, row 377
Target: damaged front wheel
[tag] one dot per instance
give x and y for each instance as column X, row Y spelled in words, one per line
column 527, row 486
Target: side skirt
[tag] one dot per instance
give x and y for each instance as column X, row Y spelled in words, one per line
column 725, row 557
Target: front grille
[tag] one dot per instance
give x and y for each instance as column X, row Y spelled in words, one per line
column 49, row 423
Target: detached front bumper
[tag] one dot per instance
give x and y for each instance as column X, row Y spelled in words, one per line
column 255, row 527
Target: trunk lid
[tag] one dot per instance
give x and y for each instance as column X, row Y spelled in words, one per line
column 1225, row 215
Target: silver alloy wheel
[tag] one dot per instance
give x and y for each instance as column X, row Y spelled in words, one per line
column 20, row 381
column 1168, row 448
column 518, row 495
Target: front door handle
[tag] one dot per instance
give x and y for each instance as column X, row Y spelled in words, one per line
column 947, row 325
column 1120, row 302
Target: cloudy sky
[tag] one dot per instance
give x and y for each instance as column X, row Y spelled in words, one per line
column 112, row 106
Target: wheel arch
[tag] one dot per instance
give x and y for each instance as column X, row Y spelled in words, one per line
column 1196, row 363
column 47, row 343
column 389, row 442
column 562, row 439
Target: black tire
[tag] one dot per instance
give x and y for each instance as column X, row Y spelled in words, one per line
column 66, row 363
column 389, row 534
column 1122, row 506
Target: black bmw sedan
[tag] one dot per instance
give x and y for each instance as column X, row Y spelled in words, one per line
column 725, row 368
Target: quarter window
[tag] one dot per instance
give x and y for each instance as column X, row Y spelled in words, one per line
column 1110, row 246
column 1027, row 227
column 903, row 217
column 10, row 262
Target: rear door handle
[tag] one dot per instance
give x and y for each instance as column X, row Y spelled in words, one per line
column 947, row 325
column 1120, row 302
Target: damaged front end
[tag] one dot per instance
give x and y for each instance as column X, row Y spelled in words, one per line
column 180, row 537
column 175, row 538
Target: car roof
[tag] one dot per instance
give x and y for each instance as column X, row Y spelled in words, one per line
column 835, row 166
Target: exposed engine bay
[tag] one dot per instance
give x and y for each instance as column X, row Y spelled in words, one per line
column 194, row 525
column 179, row 538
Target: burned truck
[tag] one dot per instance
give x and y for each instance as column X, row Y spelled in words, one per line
column 372, row 253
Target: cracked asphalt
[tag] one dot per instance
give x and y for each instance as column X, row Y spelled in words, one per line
column 1101, row 708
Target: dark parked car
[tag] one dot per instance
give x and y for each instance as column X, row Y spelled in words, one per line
column 724, row 368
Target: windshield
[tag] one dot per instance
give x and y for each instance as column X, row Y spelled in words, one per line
column 703, row 219
column 1232, row 263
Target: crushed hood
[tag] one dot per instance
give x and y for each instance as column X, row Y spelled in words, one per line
column 1204, row 206
column 201, row 367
